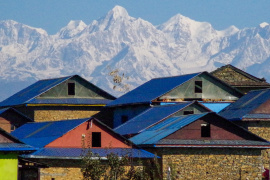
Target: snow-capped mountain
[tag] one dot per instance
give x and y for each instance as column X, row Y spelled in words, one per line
column 130, row 45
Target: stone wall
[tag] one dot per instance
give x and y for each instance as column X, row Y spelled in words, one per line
column 262, row 129
column 60, row 173
column 56, row 115
column 213, row 163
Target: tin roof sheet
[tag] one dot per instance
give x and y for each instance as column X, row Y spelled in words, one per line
column 39, row 134
column 246, row 104
column 215, row 142
column 149, row 117
column 11, row 147
column 165, row 128
column 152, row 90
column 79, row 152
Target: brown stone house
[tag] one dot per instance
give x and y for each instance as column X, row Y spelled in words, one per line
column 253, row 113
column 239, row 79
column 60, row 98
column 60, row 146
column 204, row 146
column 10, row 119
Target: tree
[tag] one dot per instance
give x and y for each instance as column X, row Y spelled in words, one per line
column 118, row 80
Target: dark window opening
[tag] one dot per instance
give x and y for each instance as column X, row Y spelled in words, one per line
column 205, row 130
column 198, row 86
column 124, row 119
column 71, row 88
column 96, row 139
column 188, row 112
column 12, row 127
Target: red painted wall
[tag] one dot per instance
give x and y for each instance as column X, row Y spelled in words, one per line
column 73, row 139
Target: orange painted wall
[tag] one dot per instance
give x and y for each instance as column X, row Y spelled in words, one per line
column 73, row 139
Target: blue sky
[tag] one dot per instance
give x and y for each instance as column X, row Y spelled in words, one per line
column 52, row 15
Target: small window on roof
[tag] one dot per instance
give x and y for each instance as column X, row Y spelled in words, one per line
column 71, row 88
column 12, row 127
column 188, row 112
column 96, row 139
column 124, row 119
column 205, row 130
column 198, row 86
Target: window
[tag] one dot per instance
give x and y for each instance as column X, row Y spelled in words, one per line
column 124, row 119
column 198, row 86
column 12, row 127
column 71, row 88
column 96, row 139
column 205, row 130
column 188, row 112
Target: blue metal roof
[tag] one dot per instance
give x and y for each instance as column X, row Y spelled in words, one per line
column 11, row 147
column 78, row 152
column 39, row 134
column 32, row 91
column 82, row 101
column 152, row 90
column 163, row 129
column 246, row 104
column 215, row 106
column 149, row 117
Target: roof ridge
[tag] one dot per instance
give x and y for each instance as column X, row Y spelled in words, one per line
column 177, row 75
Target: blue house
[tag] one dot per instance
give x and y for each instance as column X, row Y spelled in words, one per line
column 198, row 86
column 157, row 114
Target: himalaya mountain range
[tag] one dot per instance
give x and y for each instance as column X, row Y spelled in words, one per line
column 133, row 46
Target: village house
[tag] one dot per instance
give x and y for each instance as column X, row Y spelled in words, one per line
column 10, row 119
column 60, row 98
column 10, row 149
column 239, row 79
column 61, row 145
column 157, row 114
column 252, row 113
column 198, row 86
column 204, row 146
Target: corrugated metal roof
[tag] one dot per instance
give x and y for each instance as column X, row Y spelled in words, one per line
column 246, row 104
column 149, row 117
column 82, row 101
column 165, row 128
column 39, row 134
column 215, row 106
column 257, row 116
column 78, row 152
column 152, row 90
column 11, row 147
column 32, row 91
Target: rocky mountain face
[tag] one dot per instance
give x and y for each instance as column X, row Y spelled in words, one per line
column 133, row 47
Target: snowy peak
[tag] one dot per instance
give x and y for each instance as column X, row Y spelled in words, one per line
column 117, row 12
column 230, row 31
column 131, row 45
column 264, row 24
column 72, row 29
